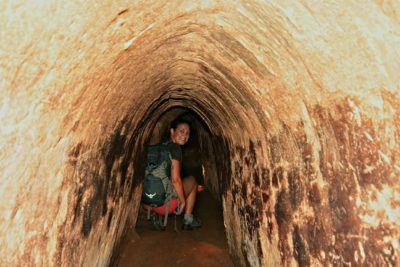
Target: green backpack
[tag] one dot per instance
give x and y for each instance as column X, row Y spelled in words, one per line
column 157, row 187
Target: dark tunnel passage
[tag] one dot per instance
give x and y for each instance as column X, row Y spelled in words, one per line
column 296, row 107
column 147, row 246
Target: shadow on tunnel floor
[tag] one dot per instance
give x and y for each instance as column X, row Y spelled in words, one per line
column 203, row 247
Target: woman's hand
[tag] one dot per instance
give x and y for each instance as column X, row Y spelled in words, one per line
column 180, row 208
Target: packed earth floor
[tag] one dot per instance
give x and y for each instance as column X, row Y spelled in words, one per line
column 207, row 246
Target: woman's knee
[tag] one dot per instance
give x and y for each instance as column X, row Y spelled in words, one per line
column 190, row 179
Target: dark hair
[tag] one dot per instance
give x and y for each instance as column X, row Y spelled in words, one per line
column 177, row 121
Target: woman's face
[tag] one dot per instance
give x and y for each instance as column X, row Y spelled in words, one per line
column 180, row 135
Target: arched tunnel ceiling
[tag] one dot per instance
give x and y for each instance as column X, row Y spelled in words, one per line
column 303, row 98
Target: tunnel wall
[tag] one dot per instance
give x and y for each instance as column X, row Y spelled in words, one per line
column 302, row 102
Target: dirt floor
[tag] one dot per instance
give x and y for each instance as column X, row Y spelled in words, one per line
column 203, row 247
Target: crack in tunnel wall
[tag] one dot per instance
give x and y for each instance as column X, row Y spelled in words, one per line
column 301, row 102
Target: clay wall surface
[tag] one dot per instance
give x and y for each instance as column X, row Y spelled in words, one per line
column 301, row 100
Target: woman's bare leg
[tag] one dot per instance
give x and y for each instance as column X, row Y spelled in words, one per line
column 190, row 188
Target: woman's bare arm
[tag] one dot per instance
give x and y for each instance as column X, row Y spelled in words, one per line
column 177, row 181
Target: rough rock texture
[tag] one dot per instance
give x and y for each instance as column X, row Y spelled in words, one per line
column 301, row 100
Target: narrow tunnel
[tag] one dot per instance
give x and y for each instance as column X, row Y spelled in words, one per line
column 297, row 104
column 145, row 246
